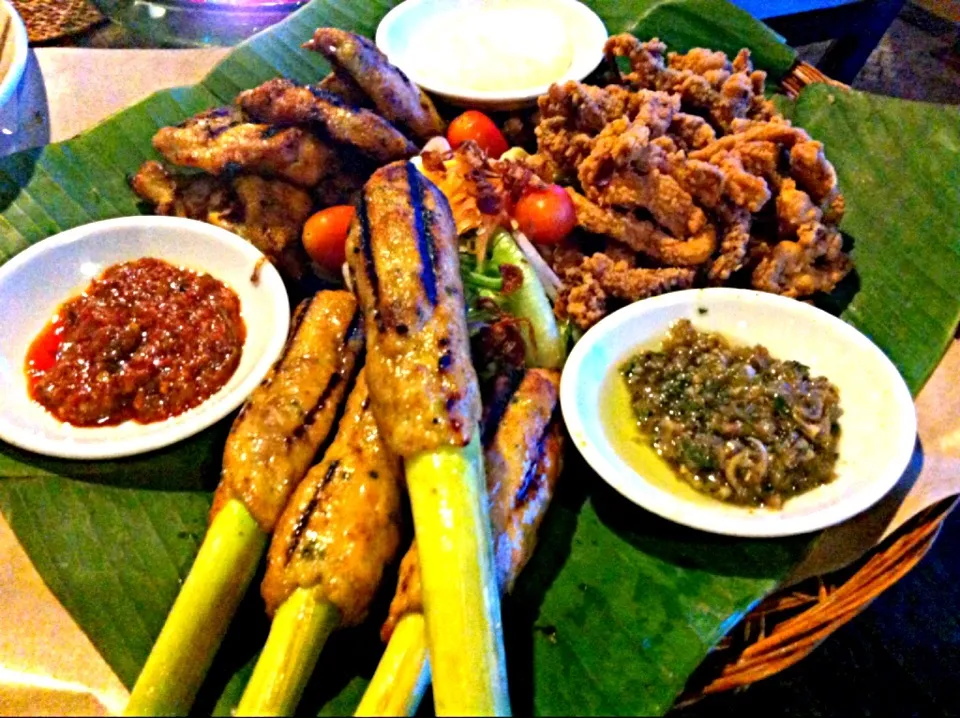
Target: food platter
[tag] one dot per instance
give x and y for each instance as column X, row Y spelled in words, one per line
column 576, row 536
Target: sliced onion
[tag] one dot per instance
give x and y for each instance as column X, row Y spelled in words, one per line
column 436, row 144
column 347, row 277
column 551, row 282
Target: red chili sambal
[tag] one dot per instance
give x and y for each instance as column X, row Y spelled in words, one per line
column 144, row 342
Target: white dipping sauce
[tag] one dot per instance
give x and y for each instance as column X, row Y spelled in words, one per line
column 488, row 45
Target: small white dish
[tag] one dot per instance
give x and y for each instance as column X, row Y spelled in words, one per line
column 39, row 279
column 13, row 50
column 878, row 425
column 492, row 54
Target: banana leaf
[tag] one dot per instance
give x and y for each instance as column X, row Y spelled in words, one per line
column 618, row 607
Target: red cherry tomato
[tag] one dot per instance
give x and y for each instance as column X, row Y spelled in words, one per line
column 546, row 216
column 325, row 236
column 476, row 126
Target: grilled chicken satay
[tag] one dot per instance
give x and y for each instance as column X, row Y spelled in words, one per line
column 270, row 447
column 219, row 141
column 328, row 553
column 282, row 102
column 275, row 437
column 523, row 462
column 395, row 96
column 403, row 254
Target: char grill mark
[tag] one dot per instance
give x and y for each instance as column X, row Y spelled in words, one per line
column 428, row 252
column 308, row 510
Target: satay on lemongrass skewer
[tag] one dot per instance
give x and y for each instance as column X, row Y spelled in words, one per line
column 272, row 443
column 327, row 556
column 523, row 462
column 403, row 256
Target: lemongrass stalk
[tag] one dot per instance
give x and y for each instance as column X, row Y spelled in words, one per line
column 298, row 633
column 460, row 594
column 403, row 673
column 218, row 579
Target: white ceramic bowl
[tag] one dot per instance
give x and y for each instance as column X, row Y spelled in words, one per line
column 13, row 51
column 407, row 35
column 878, row 425
column 36, row 281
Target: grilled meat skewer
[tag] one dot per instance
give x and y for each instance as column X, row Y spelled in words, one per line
column 276, row 435
column 271, row 446
column 339, row 531
column 523, row 462
column 403, row 254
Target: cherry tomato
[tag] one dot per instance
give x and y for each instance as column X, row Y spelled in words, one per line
column 546, row 216
column 325, row 236
column 476, row 126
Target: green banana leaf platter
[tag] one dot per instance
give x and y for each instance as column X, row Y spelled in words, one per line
column 617, row 607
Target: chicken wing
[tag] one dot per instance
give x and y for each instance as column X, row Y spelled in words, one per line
column 282, row 102
column 343, row 86
column 219, row 141
column 396, row 98
column 267, row 213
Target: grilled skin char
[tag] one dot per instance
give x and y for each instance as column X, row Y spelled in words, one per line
column 219, row 141
column 343, row 86
column 396, row 98
column 275, row 437
column 402, row 252
column 268, row 213
column 522, row 461
column 282, row 102
column 342, row 526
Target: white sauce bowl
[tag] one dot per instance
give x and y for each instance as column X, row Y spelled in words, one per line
column 492, row 54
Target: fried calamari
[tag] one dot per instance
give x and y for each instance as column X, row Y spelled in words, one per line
column 688, row 165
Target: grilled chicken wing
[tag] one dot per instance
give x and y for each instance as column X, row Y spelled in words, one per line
column 343, row 86
column 396, row 98
column 275, row 437
column 522, row 465
column 342, row 525
column 219, row 141
column 267, row 213
column 280, row 101
column 402, row 252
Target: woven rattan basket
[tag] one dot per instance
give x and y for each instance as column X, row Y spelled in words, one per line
column 787, row 626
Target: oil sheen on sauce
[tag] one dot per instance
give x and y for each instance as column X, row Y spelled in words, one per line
column 620, row 426
column 491, row 45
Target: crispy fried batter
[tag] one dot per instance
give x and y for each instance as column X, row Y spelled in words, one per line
column 282, row 102
column 395, row 96
column 267, row 213
column 622, row 170
column 219, row 141
column 733, row 246
column 809, row 166
column 587, row 287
